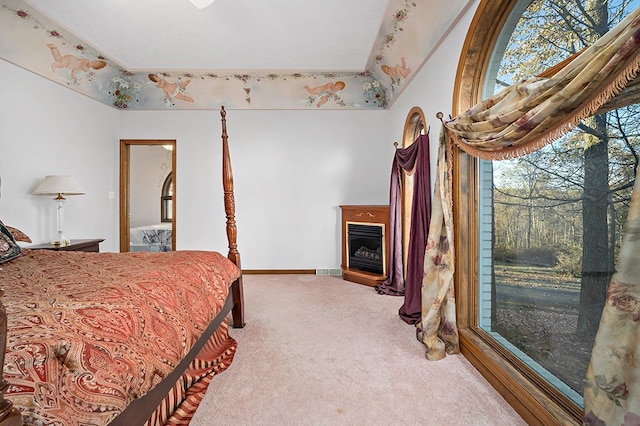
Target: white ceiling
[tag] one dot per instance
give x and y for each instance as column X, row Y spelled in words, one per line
column 301, row 35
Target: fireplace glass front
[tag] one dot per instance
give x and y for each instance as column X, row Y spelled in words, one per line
column 366, row 247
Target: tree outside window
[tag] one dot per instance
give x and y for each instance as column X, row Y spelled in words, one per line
column 556, row 214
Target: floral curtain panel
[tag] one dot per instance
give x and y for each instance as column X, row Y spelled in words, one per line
column 521, row 119
column 612, row 387
column 437, row 328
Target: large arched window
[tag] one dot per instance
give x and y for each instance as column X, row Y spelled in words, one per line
column 537, row 237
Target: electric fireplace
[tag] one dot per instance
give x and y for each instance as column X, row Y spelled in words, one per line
column 365, row 243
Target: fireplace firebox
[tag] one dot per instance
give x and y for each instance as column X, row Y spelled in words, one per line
column 365, row 247
column 365, row 243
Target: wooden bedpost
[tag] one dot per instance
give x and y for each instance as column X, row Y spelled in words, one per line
column 9, row 416
column 232, row 231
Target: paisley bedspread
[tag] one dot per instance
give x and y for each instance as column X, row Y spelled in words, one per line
column 90, row 332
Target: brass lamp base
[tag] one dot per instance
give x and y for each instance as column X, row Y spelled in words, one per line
column 60, row 243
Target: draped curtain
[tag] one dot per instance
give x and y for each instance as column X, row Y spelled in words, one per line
column 437, row 328
column 414, row 158
column 521, row 119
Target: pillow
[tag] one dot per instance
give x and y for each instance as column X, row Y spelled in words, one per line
column 9, row 249
column 18, row 235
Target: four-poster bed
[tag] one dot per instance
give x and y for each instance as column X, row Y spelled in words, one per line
column 117, row 338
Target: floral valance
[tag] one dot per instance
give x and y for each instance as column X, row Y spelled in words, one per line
column 526, row 116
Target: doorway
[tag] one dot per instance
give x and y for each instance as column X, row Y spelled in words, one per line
column 147, row 195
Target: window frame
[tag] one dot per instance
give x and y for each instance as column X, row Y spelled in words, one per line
column 166, row 208
column 531, row 396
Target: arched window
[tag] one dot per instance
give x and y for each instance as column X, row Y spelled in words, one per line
column 414, row 126
column 166, row 199
column 536, row 259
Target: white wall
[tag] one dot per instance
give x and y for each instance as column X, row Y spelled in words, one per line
column 292, row 169
column 432, row 88
column 46, row 128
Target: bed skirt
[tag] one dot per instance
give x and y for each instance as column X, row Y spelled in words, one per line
column 182, row 401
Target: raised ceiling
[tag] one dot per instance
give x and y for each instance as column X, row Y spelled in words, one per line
column 295, row 35
column 336, row 54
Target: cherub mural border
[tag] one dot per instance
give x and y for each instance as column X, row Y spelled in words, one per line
column 56, row 54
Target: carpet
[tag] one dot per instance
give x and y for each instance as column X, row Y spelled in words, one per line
column 318, row 350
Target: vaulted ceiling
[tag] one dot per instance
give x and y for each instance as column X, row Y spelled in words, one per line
column 157, row 54
column 293, row 35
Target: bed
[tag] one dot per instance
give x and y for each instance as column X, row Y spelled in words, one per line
column 156, row 237
column 116, row 338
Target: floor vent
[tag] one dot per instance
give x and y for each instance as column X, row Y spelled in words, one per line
column 333, row 272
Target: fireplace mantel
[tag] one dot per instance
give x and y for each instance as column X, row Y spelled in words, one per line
column 376, row 215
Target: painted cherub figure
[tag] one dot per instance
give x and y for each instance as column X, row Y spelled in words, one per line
column 171, row 90
column 396, row 72
column 73, row 63
column 326, row 91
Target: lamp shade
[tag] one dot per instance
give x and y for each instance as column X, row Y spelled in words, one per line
column 201, row 4
column 58, row 184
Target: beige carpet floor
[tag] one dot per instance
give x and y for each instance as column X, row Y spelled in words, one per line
column 318, row 350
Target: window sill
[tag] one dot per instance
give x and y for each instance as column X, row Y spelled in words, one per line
column 517, row 385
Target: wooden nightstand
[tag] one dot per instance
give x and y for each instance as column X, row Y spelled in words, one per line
column 76, row 245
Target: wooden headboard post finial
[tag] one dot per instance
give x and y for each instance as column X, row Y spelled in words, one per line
column 232, row 231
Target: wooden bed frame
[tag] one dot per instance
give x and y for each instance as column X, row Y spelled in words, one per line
column 141, row 409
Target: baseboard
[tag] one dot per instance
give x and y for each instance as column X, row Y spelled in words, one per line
column 325, row 271
column 278, row 271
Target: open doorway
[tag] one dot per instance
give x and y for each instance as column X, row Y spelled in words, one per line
column 147, row 195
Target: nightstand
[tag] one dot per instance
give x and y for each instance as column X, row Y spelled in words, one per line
column 76, row 245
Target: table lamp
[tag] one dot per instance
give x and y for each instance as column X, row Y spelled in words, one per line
column 59, row 185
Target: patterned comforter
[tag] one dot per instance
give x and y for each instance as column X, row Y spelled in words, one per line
column 90, row 332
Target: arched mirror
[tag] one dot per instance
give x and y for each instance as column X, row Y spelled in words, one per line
column 414, row 126
column 147, row 195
